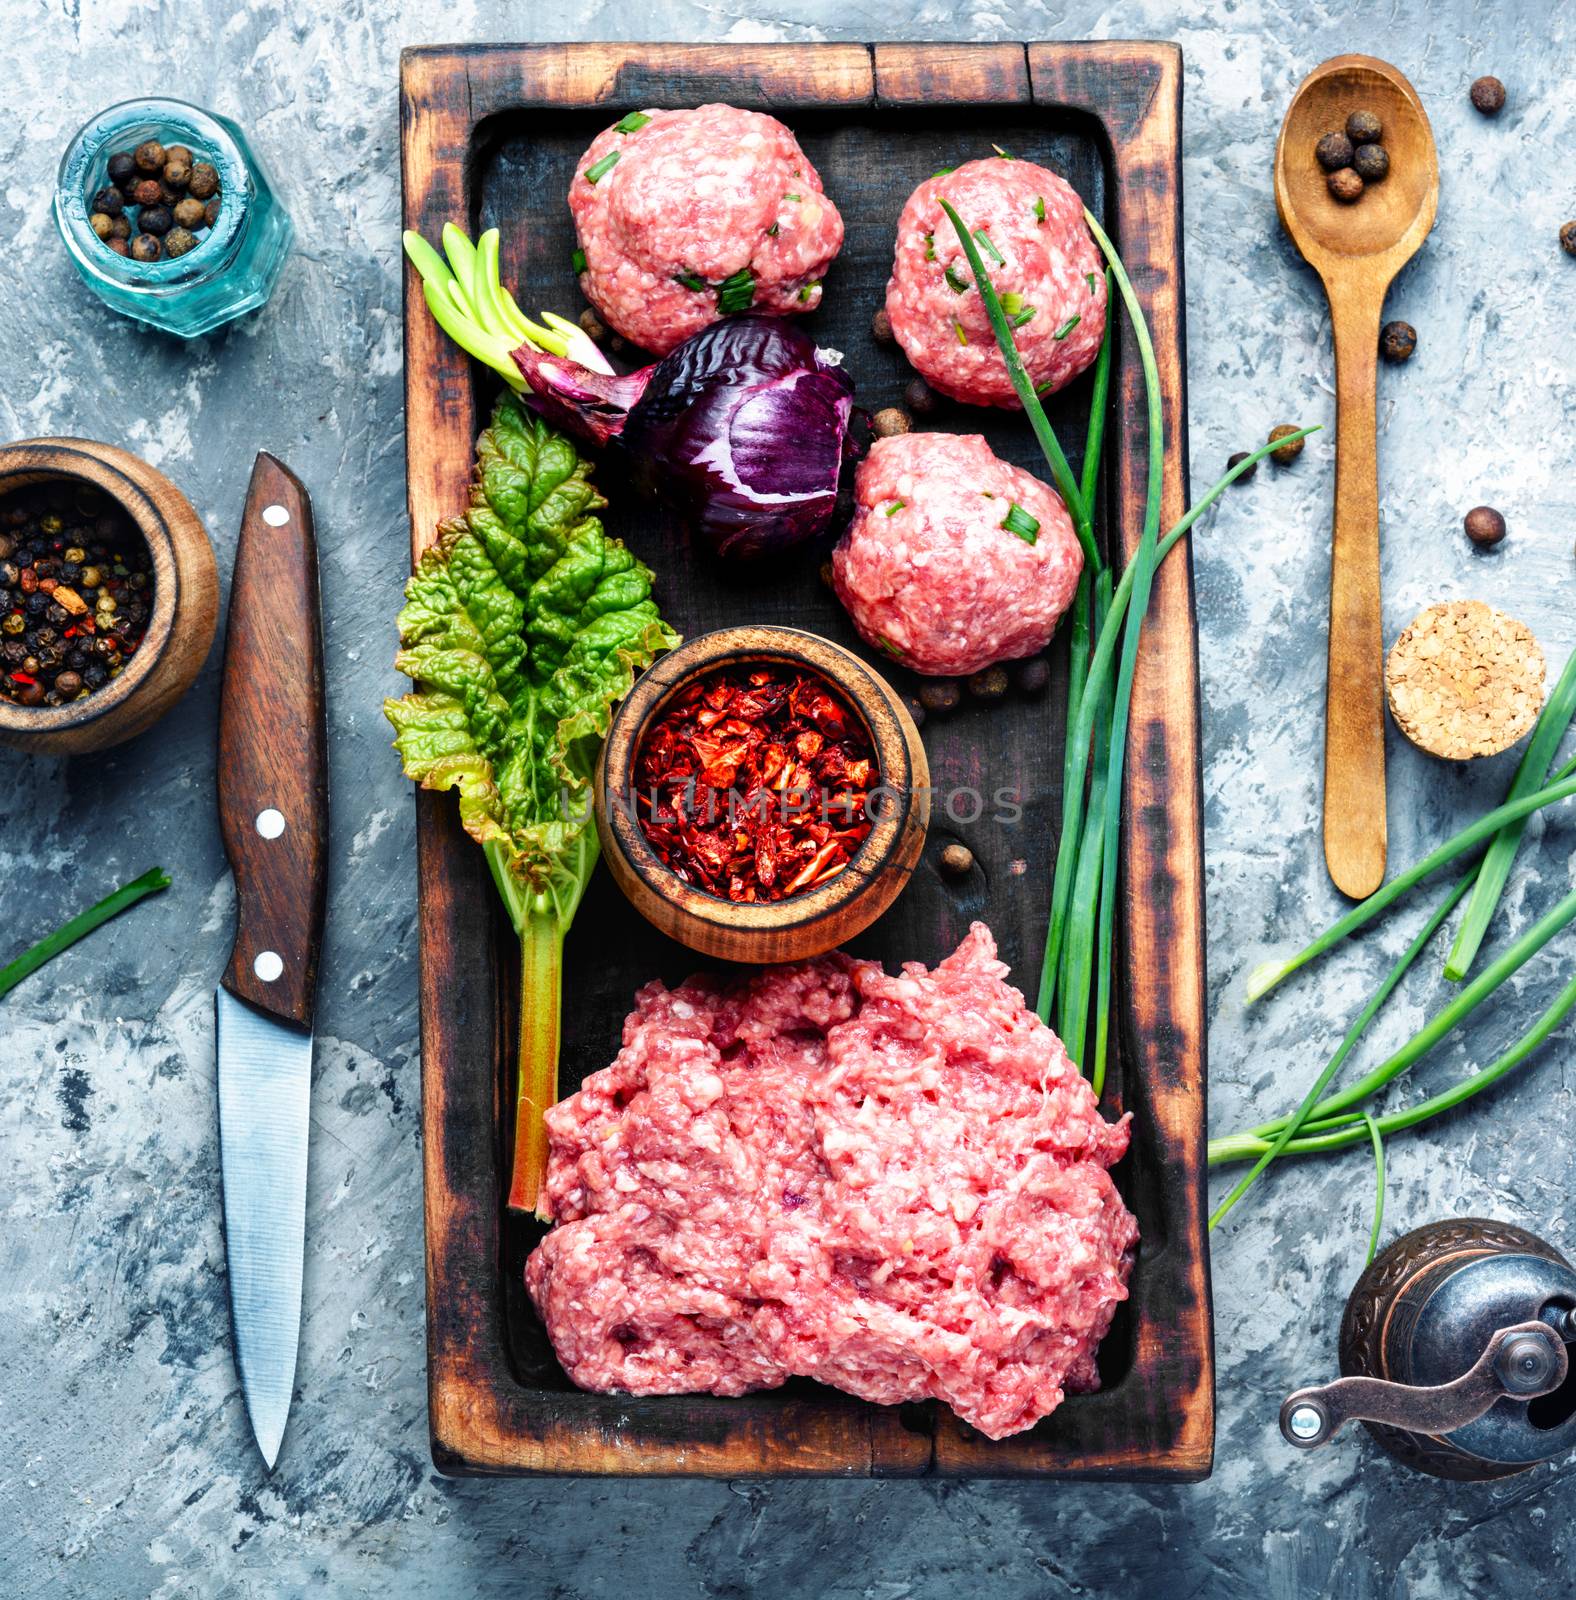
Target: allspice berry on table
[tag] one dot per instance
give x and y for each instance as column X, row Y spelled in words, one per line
column 957, row 860
column 1345, row 185
column 890, row 421
column 1371, row 163
column 1364, row 127
column 919, row 397
column 1034, row 675
column 590, row 323
column 1235, row 460
column 881, row 327
column 1488, row 95
column 1397, row 341
column 916, row 711
column 150, row 156
column 1485, row 526
column 1568, row 238
column 989, row 685
column 1333, row 152
column 940, row 694
column 1287, row 453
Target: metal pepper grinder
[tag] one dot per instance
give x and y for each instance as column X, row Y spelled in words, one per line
column 1458, row 1354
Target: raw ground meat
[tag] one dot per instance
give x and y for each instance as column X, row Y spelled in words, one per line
column 897, row 1186
column 926, row 569
column 1051, row 263
column 696, row 194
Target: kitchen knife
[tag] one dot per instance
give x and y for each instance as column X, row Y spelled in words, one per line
column 273, row 814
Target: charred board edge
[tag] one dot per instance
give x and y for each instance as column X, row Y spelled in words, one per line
column 1158, row 1423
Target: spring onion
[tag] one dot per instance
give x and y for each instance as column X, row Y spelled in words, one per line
column 690, row 280
column 736, row 293
column 930, row 247
column 1039, row 208
column 893, row 509
column 1067, row 327
column 80, row 926
column 577, row 260
column 1019, row 521
column 982, row 239
column 955, row 280
column 809, row 289
column 603, row 167
column 1378, row 1143
column 635, row 121
column 1497, row 859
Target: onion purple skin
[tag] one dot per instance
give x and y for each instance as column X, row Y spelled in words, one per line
column 743, row 430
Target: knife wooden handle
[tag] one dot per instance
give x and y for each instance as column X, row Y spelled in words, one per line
column 273, row 750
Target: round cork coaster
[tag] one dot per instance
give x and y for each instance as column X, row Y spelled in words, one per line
column 1465, row 680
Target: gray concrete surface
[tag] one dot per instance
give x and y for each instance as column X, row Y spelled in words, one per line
column 126, row 1468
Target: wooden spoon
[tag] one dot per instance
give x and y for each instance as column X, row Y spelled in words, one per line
column 1357, row 250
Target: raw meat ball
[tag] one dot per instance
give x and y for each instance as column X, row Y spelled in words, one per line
column 690, row 215
column 931, row 569
column 1050, row 276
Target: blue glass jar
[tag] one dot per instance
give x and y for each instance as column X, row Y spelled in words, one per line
column 234, row 265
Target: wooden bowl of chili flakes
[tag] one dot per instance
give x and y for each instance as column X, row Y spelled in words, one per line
column 762, row 795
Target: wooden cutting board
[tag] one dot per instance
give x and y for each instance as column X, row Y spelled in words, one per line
column 490, row 135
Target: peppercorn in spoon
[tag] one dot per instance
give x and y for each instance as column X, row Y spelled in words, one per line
column 1357, row 250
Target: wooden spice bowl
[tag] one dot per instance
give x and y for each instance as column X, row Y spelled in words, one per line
column 185, row 598
column 816, row 919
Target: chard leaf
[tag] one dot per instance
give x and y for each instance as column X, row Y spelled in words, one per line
column 523, row 626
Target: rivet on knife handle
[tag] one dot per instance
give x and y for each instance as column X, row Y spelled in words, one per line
column 273, row 758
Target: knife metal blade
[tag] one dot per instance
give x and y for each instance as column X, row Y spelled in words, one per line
column 273, row 812
column 265, row 1092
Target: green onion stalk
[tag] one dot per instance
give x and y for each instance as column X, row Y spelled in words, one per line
column 80, row 926
column 1080, row 930
column 469, row 302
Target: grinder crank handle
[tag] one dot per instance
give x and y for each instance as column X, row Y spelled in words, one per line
column 1522, row 1361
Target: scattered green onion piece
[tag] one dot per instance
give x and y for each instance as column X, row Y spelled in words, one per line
column 1378, row 1142
column 955, row 280
column 736, row 293
column 814, row 284
column 982, row 239
column 941, row 172
column 957, row 328
column 1267, row 974
column 1067, row 327
column 1006, row 155
column 793, row 199
column 1023, row 316
column 578, row 262
column 771, row 232
column 930, row 247
column 80, row 926
column 1012, row 303
column 885, row 644
column 1091, row 280
column 1332, row 1135
column 893, row 509
column 1043, row 386
column 690, row 280
column 1501, row 854
column 1019, row 521
column 1294, row 1124
column 603, row 167
column 1039, row 208
column 635, row 121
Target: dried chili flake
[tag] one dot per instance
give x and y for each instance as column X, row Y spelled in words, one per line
column 755, row 782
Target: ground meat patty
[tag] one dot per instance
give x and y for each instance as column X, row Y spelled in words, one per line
column 692, row 200
column 1034, row 222
column 929, row 573
column 894, row 1185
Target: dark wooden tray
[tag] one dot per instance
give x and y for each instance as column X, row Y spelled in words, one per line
column 490, row 136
